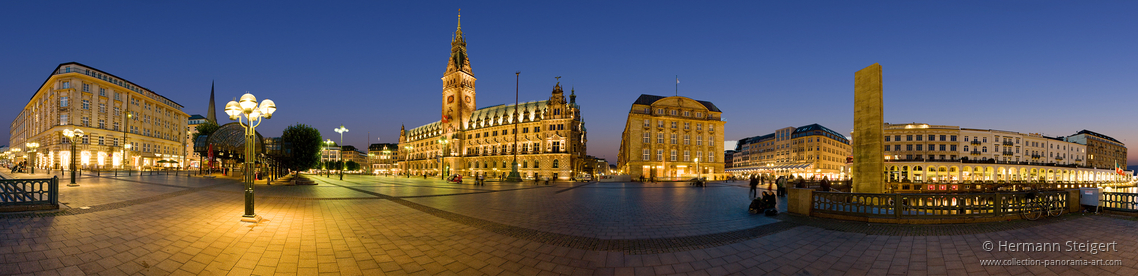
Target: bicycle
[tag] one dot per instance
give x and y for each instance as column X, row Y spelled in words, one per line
column 1037, row 206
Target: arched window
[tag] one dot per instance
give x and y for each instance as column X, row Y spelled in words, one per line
column 555, row 164
column 525, row 164
column 536, row 164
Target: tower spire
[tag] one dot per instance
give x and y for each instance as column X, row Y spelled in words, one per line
column 458, row 59
column 572, row 95
column 211, row 113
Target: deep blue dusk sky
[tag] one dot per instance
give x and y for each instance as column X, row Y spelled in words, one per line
column 1026, row 66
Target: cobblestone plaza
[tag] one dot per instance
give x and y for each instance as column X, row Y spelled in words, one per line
column 364, row 225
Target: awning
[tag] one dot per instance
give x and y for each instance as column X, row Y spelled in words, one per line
column 770, row 168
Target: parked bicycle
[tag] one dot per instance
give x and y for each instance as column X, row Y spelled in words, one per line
column 1036, row 206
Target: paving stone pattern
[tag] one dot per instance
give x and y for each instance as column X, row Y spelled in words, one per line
column 380, row 226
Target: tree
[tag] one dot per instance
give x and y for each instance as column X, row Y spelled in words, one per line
column 206, row 129
column 353, row 166
column 301, row 144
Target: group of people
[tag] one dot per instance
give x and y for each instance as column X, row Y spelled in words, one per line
column 20, row 167
column 778, row 183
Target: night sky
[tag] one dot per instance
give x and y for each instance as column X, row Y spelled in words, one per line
column 1026, row 66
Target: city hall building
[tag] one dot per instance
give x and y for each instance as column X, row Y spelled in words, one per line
column 111, row 111
column 672, row 138
column 547, row 136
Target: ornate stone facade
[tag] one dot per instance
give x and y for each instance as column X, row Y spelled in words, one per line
column 77, row 96
column 547, row 136
column 668, row 138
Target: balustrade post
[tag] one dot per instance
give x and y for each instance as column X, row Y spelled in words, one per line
column 53, row 195
column 897, row 205
column 1000, row 204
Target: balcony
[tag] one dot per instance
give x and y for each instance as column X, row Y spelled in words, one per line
column 1035, row 156
column 975, row 152
column 1008, row 143
column 1009, row 153
column 1058, row 158
column 975, row 142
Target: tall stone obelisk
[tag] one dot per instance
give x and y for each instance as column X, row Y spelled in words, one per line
column 869, row 131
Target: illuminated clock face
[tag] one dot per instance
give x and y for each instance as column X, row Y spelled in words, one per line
column 467, row 99
column 450, row 99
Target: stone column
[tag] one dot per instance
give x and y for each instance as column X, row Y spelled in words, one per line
column 869, row 130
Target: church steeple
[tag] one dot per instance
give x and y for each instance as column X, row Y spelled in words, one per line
column 458, row 59
column 211, row 114
column 572, row 95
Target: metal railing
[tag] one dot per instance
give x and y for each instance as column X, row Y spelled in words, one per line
column 22, row 192
column 928, row 206
column 1119, row 201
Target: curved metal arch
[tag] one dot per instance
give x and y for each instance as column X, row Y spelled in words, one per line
column 229, row 138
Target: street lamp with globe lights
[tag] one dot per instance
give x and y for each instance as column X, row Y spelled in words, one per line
column 442, row 152
column 341, row 131
column 248, row 110
column 32, row 152
column 73, row 136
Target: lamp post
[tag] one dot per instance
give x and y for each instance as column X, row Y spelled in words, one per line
column 327, row 145
column 387, row 159
column 514, row 176
column 186, row 151
column 699, row 173
column 73, row 136
column 32, row 152
column 126, row 146
column 248, row 109
column 341, row 131
column 407, row 161
column 442, row 169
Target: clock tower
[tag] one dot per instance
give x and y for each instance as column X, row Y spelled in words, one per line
column 458, row 86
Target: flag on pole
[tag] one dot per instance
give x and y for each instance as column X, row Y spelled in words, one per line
column 677, row 79
column 1117, row 169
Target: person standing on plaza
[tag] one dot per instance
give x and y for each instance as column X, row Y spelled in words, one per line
column 754, row 187
column 825, row 185
column 781, row 189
